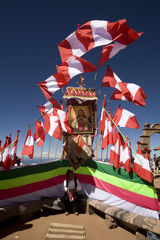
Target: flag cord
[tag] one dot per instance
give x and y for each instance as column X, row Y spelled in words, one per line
column 123, row 136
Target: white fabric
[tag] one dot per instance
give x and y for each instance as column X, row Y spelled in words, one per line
column 29, row 141
column 51, row 84
column 116, row 48
column 100, row 34
column 53, row 124
column 125, row 117
column 74, row 67
column 77, row 47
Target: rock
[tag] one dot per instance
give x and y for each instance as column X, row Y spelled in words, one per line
column 110, row 222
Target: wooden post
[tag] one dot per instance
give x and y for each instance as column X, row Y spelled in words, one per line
column 41, row 154
column 49, row 147
column 56, row 149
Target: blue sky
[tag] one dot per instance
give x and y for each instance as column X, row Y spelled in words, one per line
column 29, row 38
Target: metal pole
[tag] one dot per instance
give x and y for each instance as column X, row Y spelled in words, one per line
column 56, row 149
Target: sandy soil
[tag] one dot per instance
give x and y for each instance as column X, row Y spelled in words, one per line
column 37, row 229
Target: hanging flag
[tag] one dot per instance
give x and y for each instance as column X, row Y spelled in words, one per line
column 39, row 135
column 52, row 84
column 52, row 125
column 14, row 149
column 126, row 156
column 61, row 104
column 48, row 107
column 6, row 159
column 28, row 148
column 74, row 66
column 121, row 43
column 141, row 165
column 108, row 133
column 115, row 151
column 125, row 91
column 135, row 94
column 124, row 118
column 90, row 35
column 0, row 151
column 112, row 80
column 64, row 120
column 103, row 118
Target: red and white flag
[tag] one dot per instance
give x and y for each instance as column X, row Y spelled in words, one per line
column 64, row 120
column 124, row 118
column 52, row 84
column 108, row 132
column 48, row 107
column 39, row 135
column 14, row 149
column 90, row 35
column 74, row 66
column 115, row 150
column 112, row 80
column 121, row 43
column 125, row 91
column 6, row 158
column 103, row 118
column 135, row 94
column 0, row 151
column 52, row 125
column 126, row 156
column 141, row 165
column 28, row 148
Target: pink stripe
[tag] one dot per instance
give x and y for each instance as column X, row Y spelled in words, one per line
column 29, row 188
column 126, row 195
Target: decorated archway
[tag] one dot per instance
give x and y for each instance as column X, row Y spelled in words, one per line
column 148, row 131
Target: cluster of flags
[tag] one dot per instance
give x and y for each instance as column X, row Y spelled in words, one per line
column 113, row 36
column 121, row 151
column 88, row 36
column 8, row 152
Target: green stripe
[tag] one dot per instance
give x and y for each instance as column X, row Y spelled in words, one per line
column 148, row 191
column 32, row 169
column 119, row 182
column 41, row 168
column 28, row 179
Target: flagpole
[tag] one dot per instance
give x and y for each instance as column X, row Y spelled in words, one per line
column 96, row 148
column 56, row 149
column 107, row 153
column 41, row 154
column 49, row 147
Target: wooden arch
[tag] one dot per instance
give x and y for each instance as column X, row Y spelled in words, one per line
column 148, row 131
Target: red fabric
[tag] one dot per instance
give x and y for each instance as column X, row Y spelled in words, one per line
column 39, row 135
column 28, row 148
column 103, row 118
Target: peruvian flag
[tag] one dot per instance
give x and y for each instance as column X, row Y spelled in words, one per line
column 141, row 165
column 121, row 43
column 14, row 149
column 124, row 91
column 116, row 150
column 64, row 120
column 74, row 66
column 135, row 94
column 39, row 135
column 126, row 156
column 52, row 84
column 112, row 80
column 90, row 35
column 48, row 107
column 108, row 133
column 124, row 118
column 28, row 148
column 103, row 118
column 0, row 151
column 52, row 125
column 6, row 158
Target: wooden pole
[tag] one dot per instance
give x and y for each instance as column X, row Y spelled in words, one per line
column 107, row 154
column 56, row 149
column 41, row 154
column 96, row 148
column 49, row 147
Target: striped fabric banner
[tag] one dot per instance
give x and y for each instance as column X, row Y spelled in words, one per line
column 34, row 181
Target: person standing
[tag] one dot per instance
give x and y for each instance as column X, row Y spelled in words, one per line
column 72, row 187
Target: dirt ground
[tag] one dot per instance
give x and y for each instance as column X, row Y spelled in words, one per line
column 37, row 229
